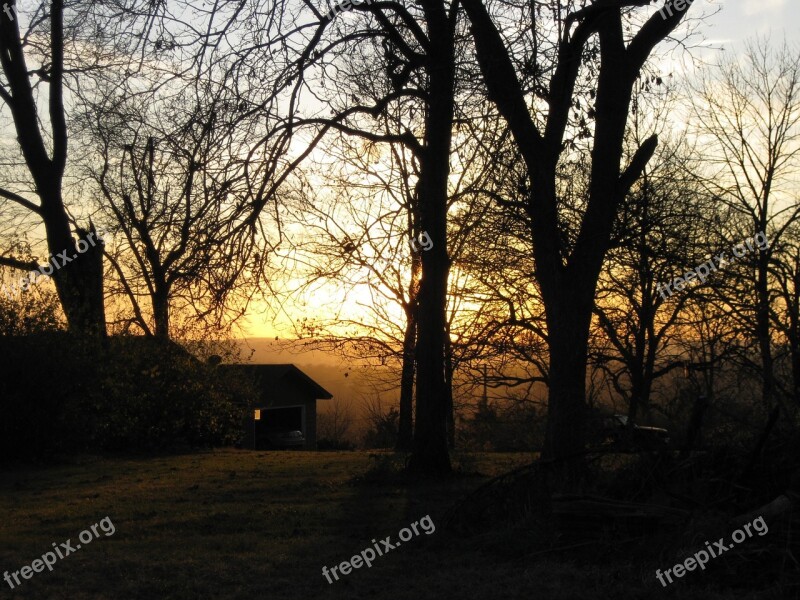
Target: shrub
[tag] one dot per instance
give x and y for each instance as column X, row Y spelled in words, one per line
column 384, row 430
column 62, row 395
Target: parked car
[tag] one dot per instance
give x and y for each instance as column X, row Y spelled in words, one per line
column 286, row 440
column 639, row 437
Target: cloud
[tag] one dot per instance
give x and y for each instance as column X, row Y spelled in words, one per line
column 716, row 42
column 755, row 7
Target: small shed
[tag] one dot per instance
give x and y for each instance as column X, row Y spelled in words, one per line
column 287, row 402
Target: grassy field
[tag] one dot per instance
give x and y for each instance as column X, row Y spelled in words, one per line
column 240, row 524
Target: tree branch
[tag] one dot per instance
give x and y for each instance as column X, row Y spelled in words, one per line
column 20, row 200
column 657, row 27
column 57, row 118
column 501, row 80
column 640, row 159
column 14, row 263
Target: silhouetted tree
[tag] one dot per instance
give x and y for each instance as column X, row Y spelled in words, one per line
column 568, row 269
column 43, row 145
column 748, row 111
column 661, row 233
column 176, row 192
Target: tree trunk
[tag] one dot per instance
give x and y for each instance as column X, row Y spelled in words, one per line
column 448, row 385
column 693, row 432
column 78, row 276
column 430, row 454
column 794, row 331
column 637, row 386
column 405, row 431
column 795, row 354
column 568, row 321
column 763, row 333
column 160, row 301
column 641, row 385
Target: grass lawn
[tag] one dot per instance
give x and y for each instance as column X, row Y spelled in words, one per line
column 241, row 524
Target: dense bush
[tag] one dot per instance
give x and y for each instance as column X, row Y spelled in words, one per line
column 58, row 394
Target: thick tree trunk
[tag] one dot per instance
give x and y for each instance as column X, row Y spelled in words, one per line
column 568, row 322
column 430, row 454
column 405, row 431
column 160, row 301
column 694, row 431
column 92, row 320
column 641, row 384
column 636, row 390
column 79, row 276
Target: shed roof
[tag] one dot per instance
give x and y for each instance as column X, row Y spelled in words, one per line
column 268, row 375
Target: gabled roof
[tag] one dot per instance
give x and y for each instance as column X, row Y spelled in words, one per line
column 268, row 375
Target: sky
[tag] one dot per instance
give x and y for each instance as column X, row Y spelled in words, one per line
column 739, row 19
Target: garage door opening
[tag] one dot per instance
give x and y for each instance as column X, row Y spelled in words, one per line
column 277, row 420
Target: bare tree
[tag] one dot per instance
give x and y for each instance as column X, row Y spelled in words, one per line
column 662, row 232
column 568, row 269
column 43, row 145
column 420, row 41
column 360, row 240
column 748, row 110
column 366, row 239
column 175, row 187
